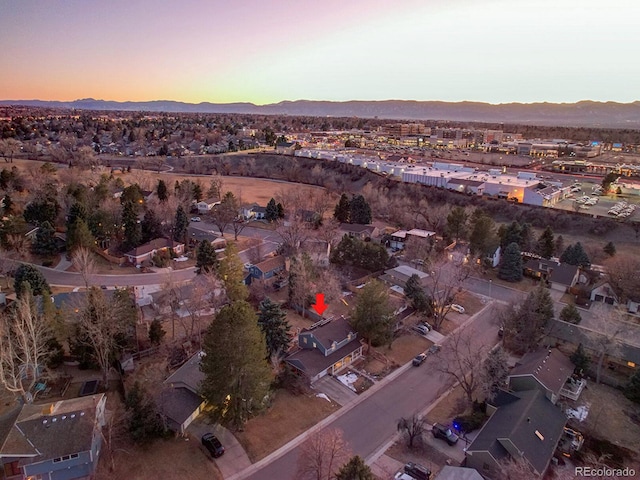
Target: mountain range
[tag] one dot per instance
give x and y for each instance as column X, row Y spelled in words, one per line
column 580, row 114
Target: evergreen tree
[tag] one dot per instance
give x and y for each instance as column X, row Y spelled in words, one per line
column 280, row 210
column 372, row 316
column 570, row 314
column 275, row 327
column 359, row 210
column 457, row 223
column 180, row 225
column 524, row 326
column 511, row 264
column 45, row 242
column 79, row 236
column 509, row 234
column 575, row 255
column 632, row 389
column 132, row 231
column 197, row 192
column 580, row 359
column 413, row 291
column 482, row 236
column 29, row 274
column 610, row 249
column 495, row 371
column 156, row 332
column 355, row 469
column 237, row 375
column 526, row 238
column 150, row 227
column 231, row 272
column 559, row 244
column 41, row 210
column 546, row 243
column 144, row 423
column 206, row 257
column 271, row 213
column 162, row 191
column 342, row 210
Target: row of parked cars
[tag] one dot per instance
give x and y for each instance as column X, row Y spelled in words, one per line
column 622, row 209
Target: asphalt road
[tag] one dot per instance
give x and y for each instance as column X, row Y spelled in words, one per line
column 372, row 423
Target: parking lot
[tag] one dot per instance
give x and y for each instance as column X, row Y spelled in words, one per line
column 603, row 203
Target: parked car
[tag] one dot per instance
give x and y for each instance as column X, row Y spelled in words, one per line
column 417, row 471
column 444, row 433
column 403, row 476
column 457, row 308
column 196, row 219
column 419, row 360
column 435, row 348
column 421, row 329
column 211, row 443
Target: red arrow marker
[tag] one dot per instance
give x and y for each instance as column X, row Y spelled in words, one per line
column 319, row 306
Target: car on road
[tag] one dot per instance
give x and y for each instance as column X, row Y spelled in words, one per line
column 196, row 219
column 444, row 433
column 457, row 308
column 213, row 445
column 419, row 360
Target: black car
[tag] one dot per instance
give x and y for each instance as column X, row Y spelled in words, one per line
column 417, row 471
column 211, row 443
column 444, row 433
column 417, row 361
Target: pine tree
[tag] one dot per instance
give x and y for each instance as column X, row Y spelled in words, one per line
column 45, row 242
column 230, row 271
column 206, row 257
column 580, row 359
column 632, row 389
column 26, row 273
column 144, row 423
column 359, row 210
column 495, row 371
column 271, row 213
column 275, row 327
column 372, row 316
column 457, row 223
column 156, row 332
column 180, row 225
column 355, row 469
column 237, row 375
column 342, row 210
column 610, row 249
column 132, row 231
column 79, row 236
column 570, row 314
column 546, row 243
column 575, row 255
column 150, row 227
column 280, row 210
column 161, row 191
column 511, row 233
column 511, row 264
column 413, row 291
column 482, row 235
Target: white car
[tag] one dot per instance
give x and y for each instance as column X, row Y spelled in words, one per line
column 196, row 219
column 457, row 308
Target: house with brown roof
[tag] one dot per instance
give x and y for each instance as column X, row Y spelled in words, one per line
column 268, row 268
column 61, row 440
column 327, row 348
column 359, row 231
column 549, row 371
column 559, row 276
column 206, row 205
column 146, row 251
column 179, row 401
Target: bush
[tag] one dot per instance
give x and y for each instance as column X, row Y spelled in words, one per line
column 469, row 423
column 161, row 259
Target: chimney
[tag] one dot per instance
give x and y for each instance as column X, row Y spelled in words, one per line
column 48, row 409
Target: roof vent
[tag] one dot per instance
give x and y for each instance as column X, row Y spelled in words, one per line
column 73, row 415
column 82, row 414
column 54, row 419
column 44, row 421
column 539, row 435
column 63, row 417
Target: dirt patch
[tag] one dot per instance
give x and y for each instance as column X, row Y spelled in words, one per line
column 452, row 405
column 287, row 418
column 611, row 416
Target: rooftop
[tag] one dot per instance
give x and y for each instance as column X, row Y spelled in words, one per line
column 550, row 367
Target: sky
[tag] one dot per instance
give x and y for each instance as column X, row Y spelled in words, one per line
column 267, row 51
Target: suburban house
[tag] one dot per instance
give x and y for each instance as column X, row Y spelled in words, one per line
column 326, row 348
column 492, row 255
column 400, row 237
column 146, row 251
column 179, row 401
column 359, row 230
column 398, row 276
column 61, row 440
column 604, row 292
column 254, row 211
column 205, row 206
column 268, row 268
column 550, row 371
column 449, row 472
column 559, row 276
column 523, row 425
column 259, row 213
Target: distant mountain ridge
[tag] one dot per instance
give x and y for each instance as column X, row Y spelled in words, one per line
column 580, row 114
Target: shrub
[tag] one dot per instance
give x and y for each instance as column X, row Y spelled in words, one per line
column 469, row 423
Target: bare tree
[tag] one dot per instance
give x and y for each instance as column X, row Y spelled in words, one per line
column 444, row 285
column 85, row 264
column 215, row 186
column 24, row 333
column 607, row 340
column 293, row 232
column 460, row 358
column 225, row 212
column 495, row 371
column 9, row 147
column 256, row 250
column 322, row 455
column 413, row 428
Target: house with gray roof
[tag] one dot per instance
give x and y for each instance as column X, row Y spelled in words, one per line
column 550, row 371
column 179, row 401
column 61, row 440
column 524, row 425
column 559, row 276
column 326, row 348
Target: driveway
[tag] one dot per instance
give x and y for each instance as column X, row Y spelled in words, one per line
column 335, row 390
column 235, row 459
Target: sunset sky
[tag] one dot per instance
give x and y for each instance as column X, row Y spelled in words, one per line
column 266, row 51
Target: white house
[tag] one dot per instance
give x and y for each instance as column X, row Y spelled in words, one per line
column 205, row 206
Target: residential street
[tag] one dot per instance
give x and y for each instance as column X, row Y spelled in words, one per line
column 372, row 422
